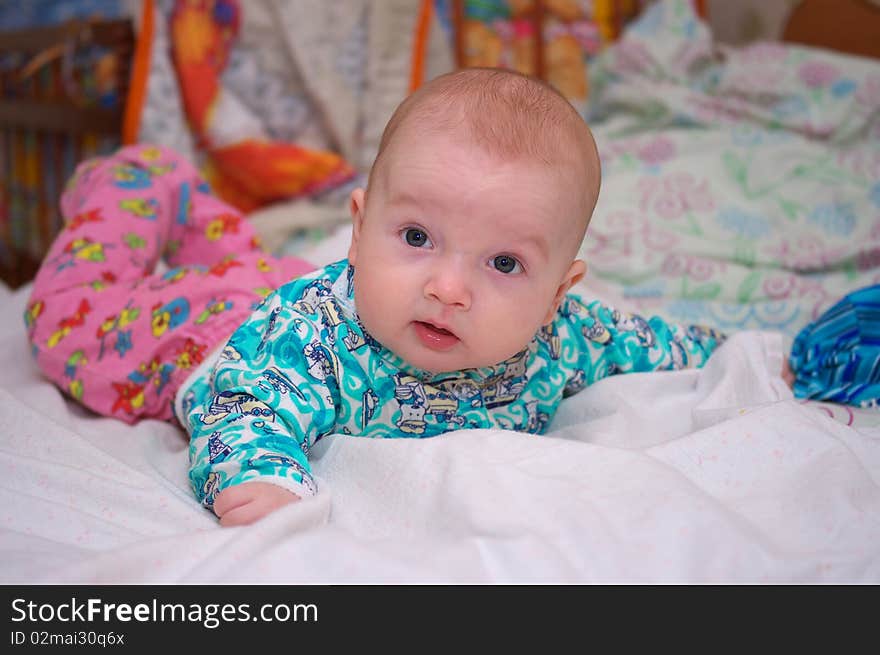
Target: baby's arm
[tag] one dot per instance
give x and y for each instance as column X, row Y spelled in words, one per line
column 613, row 342
column 252, row 436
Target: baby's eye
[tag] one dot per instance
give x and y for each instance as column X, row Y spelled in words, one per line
column 415, row 237
column 506, row 264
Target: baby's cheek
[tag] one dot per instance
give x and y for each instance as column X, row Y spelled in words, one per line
column 519, row 320
column 379, row 303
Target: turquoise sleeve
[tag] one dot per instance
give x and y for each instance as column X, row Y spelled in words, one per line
column 610, row 342
column 273, row 395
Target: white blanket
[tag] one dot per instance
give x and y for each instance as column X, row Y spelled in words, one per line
column 716, row 475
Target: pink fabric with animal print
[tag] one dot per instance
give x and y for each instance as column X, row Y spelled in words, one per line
column 106, row 326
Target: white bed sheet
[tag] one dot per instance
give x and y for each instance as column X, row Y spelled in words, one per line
column 716, row 475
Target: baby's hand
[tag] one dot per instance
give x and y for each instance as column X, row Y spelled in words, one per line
column 245, row 503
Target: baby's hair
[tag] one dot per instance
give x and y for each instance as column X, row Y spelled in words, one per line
column 508, row 114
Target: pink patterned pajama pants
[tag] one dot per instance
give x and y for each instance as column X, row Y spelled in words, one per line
column 107, row 327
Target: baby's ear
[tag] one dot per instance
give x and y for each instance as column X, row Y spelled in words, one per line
column 357, row 206
column 575, row 274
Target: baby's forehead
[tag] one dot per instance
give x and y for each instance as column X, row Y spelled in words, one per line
column 520, row 196
column 558, row 149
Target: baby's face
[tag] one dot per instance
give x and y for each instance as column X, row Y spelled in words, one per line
column 460, row 257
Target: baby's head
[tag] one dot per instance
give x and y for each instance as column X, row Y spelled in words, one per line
column 464, row 242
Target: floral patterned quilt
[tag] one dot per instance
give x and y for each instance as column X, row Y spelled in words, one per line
column 741, row 187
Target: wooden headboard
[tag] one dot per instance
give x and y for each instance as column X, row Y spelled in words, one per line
column 850, row 26
column 62, row 94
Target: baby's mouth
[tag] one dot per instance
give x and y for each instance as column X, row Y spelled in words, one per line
column 434, row 336
column 436, row 328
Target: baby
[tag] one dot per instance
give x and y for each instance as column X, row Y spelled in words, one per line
column 451, row 311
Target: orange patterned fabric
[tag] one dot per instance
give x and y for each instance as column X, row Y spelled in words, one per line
column 252, row 171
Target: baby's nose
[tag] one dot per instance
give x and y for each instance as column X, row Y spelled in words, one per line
column 449, row 285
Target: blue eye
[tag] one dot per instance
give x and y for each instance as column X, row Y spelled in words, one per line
column 506, row 264
column 415, row 237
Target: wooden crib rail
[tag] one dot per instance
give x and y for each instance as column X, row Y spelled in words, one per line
column 62, row 100
column 22, row 107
